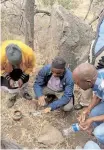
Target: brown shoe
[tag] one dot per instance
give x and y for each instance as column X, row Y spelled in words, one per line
column 11, row 101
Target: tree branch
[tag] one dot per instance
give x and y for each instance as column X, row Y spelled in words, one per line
column 19, row 8
column 42, row 11
column 3, row 1
column 91, row 1
column 28, row 27
column 94, row 19
column 21, row 22
column 97, row 17
column 13, row 15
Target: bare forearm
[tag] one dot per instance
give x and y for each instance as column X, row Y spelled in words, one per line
column 98, row 118
column 94, row 102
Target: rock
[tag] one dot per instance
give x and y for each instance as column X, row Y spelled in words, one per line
column 62, row 34
column 50, row 135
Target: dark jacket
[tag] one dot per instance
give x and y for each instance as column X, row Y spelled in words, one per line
column 66, row 80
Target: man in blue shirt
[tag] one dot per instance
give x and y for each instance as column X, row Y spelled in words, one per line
column 96, row 57
column 55, row 81
column 86, row 76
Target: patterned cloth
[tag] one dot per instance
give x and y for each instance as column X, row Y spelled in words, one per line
column 98, row 88
column 100, row 40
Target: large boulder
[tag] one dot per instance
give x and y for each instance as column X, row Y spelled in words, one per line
column 62, row 34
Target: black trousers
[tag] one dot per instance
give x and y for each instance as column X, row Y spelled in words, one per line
column 15, row 75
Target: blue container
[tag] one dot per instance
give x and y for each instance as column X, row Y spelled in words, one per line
column 75, row 127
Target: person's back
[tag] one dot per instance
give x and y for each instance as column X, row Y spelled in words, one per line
column 17, row 63
column 27, row 52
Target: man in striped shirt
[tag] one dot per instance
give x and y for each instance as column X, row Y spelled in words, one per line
column 96, row 57
column 86, row 76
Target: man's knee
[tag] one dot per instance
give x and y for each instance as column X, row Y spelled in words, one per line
column 91, row 145
column 97, row 110
column 99, row 133
column 47, row 91
column 69, row 106
column 93, row 112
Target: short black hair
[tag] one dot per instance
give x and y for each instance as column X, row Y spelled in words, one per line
column 58, row 63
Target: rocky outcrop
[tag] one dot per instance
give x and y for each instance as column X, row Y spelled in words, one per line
column 62, row 34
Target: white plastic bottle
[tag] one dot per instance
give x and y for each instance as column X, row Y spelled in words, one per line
column 73, row 128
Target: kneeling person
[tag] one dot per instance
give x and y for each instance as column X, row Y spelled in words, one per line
column 55, row 82
column 17, row 62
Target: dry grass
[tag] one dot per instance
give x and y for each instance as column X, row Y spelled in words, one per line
column 26, row 131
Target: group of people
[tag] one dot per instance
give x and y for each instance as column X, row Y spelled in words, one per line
column 54, row 85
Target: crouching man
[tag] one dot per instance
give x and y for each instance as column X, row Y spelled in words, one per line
column 86, row 76
column 17, row 62
column 53, row 86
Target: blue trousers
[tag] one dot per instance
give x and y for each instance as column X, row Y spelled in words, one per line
column 99, row 127
column 91, row 145
column 97, row 111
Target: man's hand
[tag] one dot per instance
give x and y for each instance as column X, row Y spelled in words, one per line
column 86, row 124
column 20, row 83
column 83, row 116
column 41, row 101
column 11, row 83
column 46, row 110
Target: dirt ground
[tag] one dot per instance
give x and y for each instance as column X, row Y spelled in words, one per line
column 27, row 130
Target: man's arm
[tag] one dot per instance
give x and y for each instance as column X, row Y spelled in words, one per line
column 2, row 68
column 87, row 123
column 95, row 101
column 30, row 65
column 85, row 113
column 5, row 74
column 98, row 118
column 3, row 71
column 68, row 93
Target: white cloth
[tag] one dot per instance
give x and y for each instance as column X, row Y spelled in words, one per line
column 21, row 90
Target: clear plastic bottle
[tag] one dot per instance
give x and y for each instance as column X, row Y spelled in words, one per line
column 73, row 128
